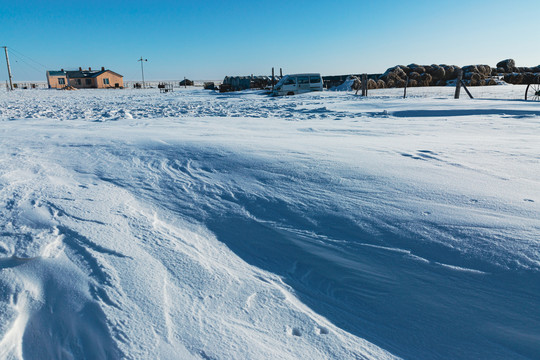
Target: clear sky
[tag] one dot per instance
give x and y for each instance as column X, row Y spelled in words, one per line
column 208, row 39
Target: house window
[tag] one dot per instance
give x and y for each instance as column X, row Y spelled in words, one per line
column 106, row 81
column 61, row 81
column 88, row 81
column 78, row 81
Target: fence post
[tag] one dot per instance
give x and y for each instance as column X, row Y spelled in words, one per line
column 364, row 84
column 405, row 88
column 273, row 79
column 467, row 90
column 458, row 83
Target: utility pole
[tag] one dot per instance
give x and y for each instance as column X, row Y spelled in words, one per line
column 142, row 71
column 8, row 69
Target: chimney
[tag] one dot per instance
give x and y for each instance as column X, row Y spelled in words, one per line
column 89, row 68
column 103, row 68
column 80, row 68
column 62, row 70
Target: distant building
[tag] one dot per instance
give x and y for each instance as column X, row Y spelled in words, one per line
column 85, row 79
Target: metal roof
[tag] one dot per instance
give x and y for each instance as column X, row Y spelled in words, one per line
column 56, row 73
column 84, row 73
column 77, row 74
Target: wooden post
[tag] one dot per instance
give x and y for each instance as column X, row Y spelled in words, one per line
column 280, row 72
column 364, row 84
column 8, row 69
column 405, row 89
column 185, row 83
column 458, row 83
column 467, row 90
column 273, row 77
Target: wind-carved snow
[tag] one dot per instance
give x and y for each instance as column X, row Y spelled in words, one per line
column 321, row 226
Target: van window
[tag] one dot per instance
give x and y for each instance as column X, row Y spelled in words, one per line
column 314, row 79
column 290, row 81
column 303, row 80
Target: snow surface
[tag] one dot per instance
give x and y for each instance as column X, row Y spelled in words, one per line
column 197, row 225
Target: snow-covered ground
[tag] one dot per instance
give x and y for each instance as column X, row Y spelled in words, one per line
column 197, row 225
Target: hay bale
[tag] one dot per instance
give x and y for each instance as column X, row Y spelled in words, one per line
column 491, row 81
column 390, row 83
column 412, row 83
column 414, row 75
column 484, row 69
column 449, row 72
column 508, row 65
column 381, row 84
column 514, row 78
column 417, row 68
column 425, row 79
column 406, row 69
column 530, row 78
column 400, row 83
column 437, row 72
column 371, row 84
column 357, row 84
column 470, row 69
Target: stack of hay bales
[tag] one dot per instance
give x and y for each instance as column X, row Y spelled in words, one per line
column 442, row 75
column 517, row 75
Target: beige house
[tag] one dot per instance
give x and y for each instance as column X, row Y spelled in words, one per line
column 85, row 79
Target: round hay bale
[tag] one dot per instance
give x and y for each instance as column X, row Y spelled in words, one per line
column 425, row 79
column 428, row 69
column 491, row 82
column 414, row 75
column 380, row 84
column 419, row 69
column 449, row 72
column 437, row 72
column 508, row 65
column 406, row 69
column 400, row 83
column 529, row 78
column 357, row 84
column 470, row 69
column 371, row 84
column 441, row 83
column 390, row 83
column 412, row 83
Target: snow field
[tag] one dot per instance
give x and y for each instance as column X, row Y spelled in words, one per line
column 322, row 226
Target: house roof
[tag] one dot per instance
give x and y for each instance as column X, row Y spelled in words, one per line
column 84, row 74
column 56, row 73
column 78, row 74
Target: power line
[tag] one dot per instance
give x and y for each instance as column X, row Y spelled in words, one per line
column 26, row 56
column 27, row 63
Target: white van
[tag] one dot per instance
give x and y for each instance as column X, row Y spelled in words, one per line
column 298, row 84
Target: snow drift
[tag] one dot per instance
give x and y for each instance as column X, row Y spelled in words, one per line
column 323, row 226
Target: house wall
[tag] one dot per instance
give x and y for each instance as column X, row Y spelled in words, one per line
column 53, row 82
column 82, row 85
column 113, row 79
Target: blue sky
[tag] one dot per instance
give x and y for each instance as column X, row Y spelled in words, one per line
column 210, row 39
